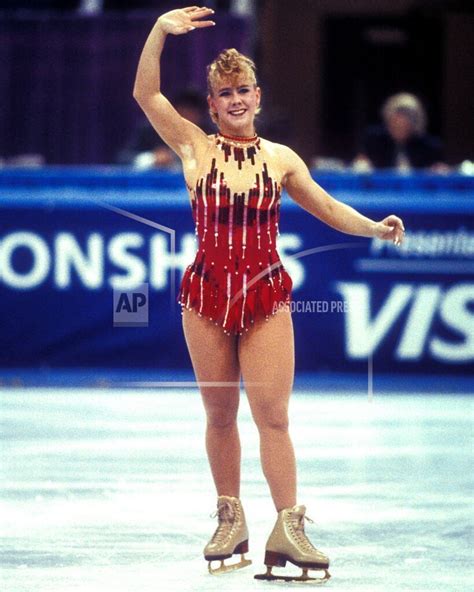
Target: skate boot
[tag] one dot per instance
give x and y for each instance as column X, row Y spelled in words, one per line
column 230, row 538
column 288, row 542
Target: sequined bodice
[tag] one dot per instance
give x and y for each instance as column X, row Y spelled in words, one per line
column 236, row 208
column 236, row 205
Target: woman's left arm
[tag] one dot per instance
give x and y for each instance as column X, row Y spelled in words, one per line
column 312, row 197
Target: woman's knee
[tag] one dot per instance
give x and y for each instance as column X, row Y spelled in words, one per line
column 221, row 419
column 221, row 410
column 272, row 418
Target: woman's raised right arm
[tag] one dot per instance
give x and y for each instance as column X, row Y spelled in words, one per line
column 177, row 132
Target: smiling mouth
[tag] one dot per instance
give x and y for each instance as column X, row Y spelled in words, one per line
column 237, row 112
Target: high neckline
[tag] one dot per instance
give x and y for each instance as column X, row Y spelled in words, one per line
column 238, row 140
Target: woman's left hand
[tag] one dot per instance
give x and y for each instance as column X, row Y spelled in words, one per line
column 390, row 228
column 183, row 20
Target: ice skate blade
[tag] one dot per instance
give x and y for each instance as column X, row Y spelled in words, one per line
column 304, row 577
column 223, row 568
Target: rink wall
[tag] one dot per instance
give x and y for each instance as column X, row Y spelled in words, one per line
column 70, row 237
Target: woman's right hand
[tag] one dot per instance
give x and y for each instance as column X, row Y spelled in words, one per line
column 183, row 20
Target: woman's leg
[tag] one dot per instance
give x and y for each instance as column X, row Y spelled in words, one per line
column 266, row 355
column 214, row 358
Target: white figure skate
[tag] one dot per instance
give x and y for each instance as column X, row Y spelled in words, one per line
column 288, row 542
column 230, row 538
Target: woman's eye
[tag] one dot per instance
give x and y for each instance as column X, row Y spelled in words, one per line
column 224, row 94
column 244, row 90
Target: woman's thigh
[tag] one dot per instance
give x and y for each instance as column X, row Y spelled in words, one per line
column 216, row 366
column 267, row 362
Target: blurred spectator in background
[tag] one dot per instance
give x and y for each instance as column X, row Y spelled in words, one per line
column 401, row 142
column 145, row 149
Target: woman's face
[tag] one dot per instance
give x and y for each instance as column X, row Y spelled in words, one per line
column 235, row 103
column 400, row 127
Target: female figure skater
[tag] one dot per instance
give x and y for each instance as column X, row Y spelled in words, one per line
column 229, row 292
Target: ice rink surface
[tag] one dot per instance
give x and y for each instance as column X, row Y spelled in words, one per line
column 110, row 491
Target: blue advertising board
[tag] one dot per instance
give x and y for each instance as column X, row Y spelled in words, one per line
column 91, row 260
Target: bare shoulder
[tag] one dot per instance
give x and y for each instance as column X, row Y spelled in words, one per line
column 288, row 160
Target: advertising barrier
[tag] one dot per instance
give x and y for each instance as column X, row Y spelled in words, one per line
column 91, row 260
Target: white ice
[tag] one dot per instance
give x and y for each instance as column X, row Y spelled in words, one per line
column 110, row 491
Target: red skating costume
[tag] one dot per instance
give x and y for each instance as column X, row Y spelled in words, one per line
column 236, row 276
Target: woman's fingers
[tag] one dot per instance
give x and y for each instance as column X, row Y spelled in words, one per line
column 391, row 228
column 199, row 14
column 398, row 230
column 201, row 24
column 393, row 221
column 182, row 21
column 191, row 8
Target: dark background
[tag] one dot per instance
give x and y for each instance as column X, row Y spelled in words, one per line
column 331, row 63
column 325, row 67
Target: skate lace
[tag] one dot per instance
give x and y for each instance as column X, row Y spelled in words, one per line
column 226, row 517
column 297, row 523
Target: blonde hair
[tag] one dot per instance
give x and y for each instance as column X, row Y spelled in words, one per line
column 230, row 65
column 408, row 105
